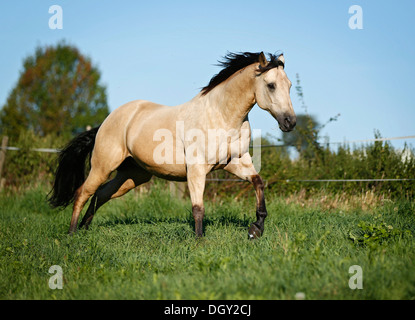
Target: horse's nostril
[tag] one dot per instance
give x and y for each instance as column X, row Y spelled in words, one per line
column 293, row 121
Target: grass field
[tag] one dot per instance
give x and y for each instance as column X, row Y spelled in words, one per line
column 144, row 247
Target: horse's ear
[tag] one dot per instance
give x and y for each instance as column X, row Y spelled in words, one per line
column 281, row 58
column 262, row 60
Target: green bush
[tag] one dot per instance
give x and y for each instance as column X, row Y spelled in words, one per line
column 24, row 167
column 372, row 234
column 378, row 160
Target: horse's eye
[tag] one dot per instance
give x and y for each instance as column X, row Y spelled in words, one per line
column 271, row 86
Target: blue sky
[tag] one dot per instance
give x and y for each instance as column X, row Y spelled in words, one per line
column 165, row 51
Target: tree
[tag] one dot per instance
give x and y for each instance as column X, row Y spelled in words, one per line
column 305, row 134
column 307, row 131
column 58, row 92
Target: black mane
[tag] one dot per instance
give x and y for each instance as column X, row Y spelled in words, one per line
column 234, row 62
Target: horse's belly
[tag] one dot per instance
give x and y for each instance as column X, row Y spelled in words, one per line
column 172, row 172
column 160, row 158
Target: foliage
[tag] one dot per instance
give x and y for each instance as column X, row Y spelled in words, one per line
column 375, row 233
column 285, row 176
column 373, row 161
column 58, row 92
column 306, row 135
column 24, row 168
column 281, row 173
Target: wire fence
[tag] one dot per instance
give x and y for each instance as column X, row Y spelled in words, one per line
column 48, row 150
column 314, row 180
column 337, row 142
column 326, row 180
column 52, row 150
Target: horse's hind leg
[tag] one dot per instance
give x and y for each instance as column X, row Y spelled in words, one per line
column 95, row 178
column 129, row 175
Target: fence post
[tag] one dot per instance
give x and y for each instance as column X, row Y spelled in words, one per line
column 4, row 142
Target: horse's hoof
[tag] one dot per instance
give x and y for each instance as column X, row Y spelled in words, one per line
column 254, row 231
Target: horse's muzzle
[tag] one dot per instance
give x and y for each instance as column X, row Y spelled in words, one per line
column 287, row 123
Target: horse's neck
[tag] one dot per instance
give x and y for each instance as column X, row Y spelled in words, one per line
column 233, row 99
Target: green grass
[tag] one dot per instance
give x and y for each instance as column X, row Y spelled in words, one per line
column 144, row 247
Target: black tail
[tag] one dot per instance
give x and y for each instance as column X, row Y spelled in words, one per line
column 70, row 174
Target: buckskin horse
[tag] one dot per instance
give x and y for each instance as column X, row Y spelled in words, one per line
column 128, row 141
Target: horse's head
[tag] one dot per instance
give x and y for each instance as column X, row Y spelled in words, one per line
column 272, row 91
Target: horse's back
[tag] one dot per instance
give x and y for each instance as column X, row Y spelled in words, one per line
column 119, row 121
column 130, row 130
column 110, row 141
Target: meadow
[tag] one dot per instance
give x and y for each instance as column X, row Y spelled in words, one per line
column 143, row 246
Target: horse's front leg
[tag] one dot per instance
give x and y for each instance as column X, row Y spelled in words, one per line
column 196, row 179
column 257, row 228
column 244, row 169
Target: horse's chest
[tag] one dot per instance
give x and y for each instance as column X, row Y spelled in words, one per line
column 224, row 147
